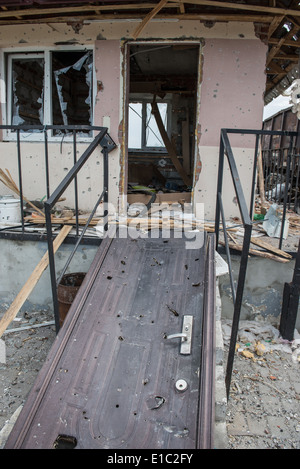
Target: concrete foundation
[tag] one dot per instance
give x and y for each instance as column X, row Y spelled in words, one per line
column 263, row 289
column 19, row 259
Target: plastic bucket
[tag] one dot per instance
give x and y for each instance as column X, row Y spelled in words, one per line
column 66, row 291
column 9, row 209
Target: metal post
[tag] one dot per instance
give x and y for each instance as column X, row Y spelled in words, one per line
column 75, row 183
column 227, row 248
column 287, row 180
column 52, row 265
column 219, row 188
column 20, row 178
column 252, row 201
column 290, row 303
column 238, row 305
column 105, row 184
column 47, row 163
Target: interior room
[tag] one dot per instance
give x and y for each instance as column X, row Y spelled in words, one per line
column 161, row 116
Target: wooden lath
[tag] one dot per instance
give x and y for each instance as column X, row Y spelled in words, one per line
column 219, row 8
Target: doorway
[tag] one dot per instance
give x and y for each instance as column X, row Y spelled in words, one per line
column 161, row 104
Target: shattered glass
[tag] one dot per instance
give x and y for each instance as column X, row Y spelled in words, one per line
column 72, row 96
column 28, row 91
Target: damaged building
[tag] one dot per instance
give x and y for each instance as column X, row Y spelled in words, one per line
column 104, row 106
column 164, row 94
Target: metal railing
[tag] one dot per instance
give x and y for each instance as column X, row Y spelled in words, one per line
column 101, row 138
column 21, row 133
column 246, row 213
column 107, row 144
column 282, row 176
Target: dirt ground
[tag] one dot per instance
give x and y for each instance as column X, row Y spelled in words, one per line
column 25, row 352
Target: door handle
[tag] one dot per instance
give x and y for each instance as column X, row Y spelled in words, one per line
column 185, row 335
column 175, row 336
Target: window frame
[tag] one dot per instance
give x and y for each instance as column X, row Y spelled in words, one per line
column 144, row 148
column 7, row 91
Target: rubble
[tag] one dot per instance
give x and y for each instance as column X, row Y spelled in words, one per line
column 263, row 409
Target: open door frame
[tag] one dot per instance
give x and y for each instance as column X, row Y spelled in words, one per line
column 126, row 85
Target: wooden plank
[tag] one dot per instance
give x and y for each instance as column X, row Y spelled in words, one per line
column 61, row 221
column 280, row 43
column 185, row 125
column 18, row 302
column 148, row 18
column 264, row 244
column 246, row 7
column 256, row 252
column 261, row 182
column 168, row 144
column 124, row 16
column 74, row 10
column 274, row 25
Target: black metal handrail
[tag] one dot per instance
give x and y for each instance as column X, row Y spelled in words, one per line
column 246, row 217
column 67, row 130
column 103, row 139
column 107, row 145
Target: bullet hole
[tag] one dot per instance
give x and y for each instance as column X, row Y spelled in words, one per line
column 65, row 442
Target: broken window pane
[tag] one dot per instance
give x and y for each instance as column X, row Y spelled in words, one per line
column 62, row 98
column 135, row 126
column 28, row 91
column 153, row 137
column 143, row 133
column 72, row 88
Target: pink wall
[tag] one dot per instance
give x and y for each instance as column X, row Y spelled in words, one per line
column 232, row 87
column 107, row 65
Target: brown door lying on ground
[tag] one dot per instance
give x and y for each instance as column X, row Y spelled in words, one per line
column 113, row 378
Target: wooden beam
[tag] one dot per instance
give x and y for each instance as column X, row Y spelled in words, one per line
column 246, row 7
column 185, row 128
column 284, row 56
column 256, row 252
column 274, row 24
column 286, row 42
column 74, row 9
column 280, row 43
column 134, row 6
column 148, row 18
column 264, row 244
column 168, row 144
column 217, row 17
column 20, row 299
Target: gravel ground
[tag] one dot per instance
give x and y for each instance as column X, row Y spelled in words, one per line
column 263, row 409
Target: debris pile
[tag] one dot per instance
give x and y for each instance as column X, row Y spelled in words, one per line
column 258, row 338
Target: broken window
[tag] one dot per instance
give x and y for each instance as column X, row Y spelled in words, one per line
column 61, row 97
column 27, row 90
column 72, row 90
column 143, row 131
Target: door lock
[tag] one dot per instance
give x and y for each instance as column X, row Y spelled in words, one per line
column 185, row 335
